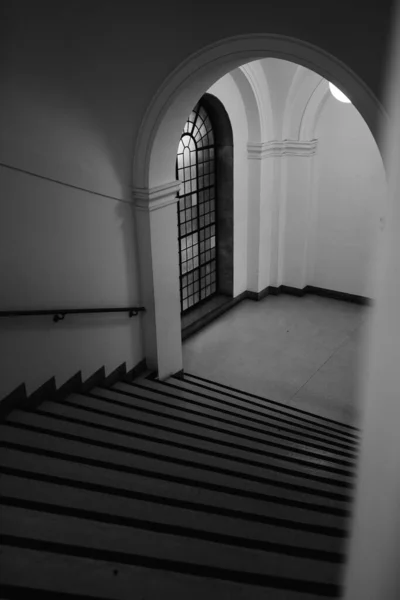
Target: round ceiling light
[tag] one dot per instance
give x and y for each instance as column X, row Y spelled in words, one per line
column 338, row 94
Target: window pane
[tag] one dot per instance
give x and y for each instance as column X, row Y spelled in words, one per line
column 197, row 232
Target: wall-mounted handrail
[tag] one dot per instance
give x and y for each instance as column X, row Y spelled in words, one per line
column 59, row 314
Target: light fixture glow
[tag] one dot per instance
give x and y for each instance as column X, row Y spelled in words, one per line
column 338, row 94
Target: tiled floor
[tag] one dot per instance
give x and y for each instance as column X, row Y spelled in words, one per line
column 304, row 352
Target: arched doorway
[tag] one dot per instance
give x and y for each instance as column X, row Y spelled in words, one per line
column 155, row 156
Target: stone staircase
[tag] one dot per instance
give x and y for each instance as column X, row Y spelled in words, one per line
column 179, row 489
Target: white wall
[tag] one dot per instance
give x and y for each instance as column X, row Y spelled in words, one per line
column 318, row 217
column 62, row 247
column 67, row 121
column 350, row 188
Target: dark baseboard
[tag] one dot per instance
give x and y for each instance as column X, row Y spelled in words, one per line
column 310, row 289
column 117, row 375
column 71, row 386
column 179, row 375
column 47, row 391
column 292, row 291
column 270, row 291
column 14, row 400
column 137, row 370
column 94, row 380
column 210, row 316
column 18, row 399
column 152, row 376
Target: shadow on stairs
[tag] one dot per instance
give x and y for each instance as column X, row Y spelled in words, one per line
column 180, row 489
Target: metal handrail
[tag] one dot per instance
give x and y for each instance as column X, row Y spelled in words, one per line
column 59, row 314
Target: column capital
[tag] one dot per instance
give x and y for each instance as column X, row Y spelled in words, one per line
column 261, row 150
column 150, row 199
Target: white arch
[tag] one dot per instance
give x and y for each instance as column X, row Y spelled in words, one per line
column 303, row 86
column 251, row 105
column 256, row 76
column 154, row 158
column 313, row 110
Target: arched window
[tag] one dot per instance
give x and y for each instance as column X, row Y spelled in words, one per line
column 197, row 210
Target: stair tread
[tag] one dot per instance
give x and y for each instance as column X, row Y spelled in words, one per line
column 162, row 467
column 148, row 401
column 51, row 527
column 237, row 402
column 62, row 572
column 150, row 513
column 177, row 488
column 134, row 485
column 99, row 408
column 266, row 468
column 263, row 402
column 167, row 397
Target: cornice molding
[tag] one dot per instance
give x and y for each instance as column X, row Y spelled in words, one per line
column 259, row 151
column 157, row 197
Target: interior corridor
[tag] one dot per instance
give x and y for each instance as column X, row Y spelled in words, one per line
column 302, row 351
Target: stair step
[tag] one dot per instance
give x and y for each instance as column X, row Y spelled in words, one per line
column 180, row 437
column 43, row 525
column 181, row 521
column 290, row 462
column 105, row 402
column 237, row 404
column 173, row 469
column 177, row 409
column 31, row 463
column 168, row 396
column 56, row 569
column 267, row 469
column 266, row 404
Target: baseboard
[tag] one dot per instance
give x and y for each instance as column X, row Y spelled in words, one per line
column 94, row 380
column 117, row 375
column 12, row 401
column 18, row 398
column 47, row 391
column 212, row 315
column 363, row 300
column 309, row 289
column 179, row 374
column 271, row 291
column 137, row 370
column 268, row 291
